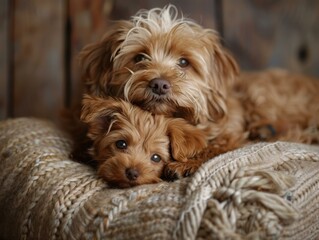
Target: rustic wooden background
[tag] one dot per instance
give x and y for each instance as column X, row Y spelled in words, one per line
column 40, row 41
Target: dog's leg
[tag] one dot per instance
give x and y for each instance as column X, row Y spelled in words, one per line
column 177, row 169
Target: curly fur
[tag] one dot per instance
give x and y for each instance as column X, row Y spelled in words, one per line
column 205, row 85
column 111, row 120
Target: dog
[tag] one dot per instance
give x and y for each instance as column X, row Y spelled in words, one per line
column 132, row 146
column 169, row 65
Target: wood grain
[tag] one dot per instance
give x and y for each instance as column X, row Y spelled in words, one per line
column 38, row 58
column 88, row 20
column 282, row 33
column 4, row 64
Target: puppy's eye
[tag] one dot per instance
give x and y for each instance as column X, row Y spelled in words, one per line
column 156, row 158
column 121, row 144
column 183, row 62
column 139, row 58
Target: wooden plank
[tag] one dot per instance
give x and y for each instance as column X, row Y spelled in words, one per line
column 282, row 33
column 90, row 19
column 4, row 64
column 38, row 58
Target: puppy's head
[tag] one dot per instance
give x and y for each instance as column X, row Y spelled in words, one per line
column 163, row 63
column 131, row 145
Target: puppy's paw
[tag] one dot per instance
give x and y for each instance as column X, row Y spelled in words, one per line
column 263, row 132
column 177, row 170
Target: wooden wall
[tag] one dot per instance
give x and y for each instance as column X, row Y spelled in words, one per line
column 265, row 33
column 4, row 61
column 40, row 41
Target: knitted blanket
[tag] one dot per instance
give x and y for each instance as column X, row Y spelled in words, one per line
column 265, row 190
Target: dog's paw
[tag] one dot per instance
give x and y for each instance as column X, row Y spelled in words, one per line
column 177, row 170
column 263, row 132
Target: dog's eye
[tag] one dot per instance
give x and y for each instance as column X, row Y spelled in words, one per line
column 156, row 158
column 183, row 62
column 121, row 144
column 139, row 58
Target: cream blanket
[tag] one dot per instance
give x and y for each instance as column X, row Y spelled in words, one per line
column 266, row 190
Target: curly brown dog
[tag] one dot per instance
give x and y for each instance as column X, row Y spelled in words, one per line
column 169, row 65
column 132, row 146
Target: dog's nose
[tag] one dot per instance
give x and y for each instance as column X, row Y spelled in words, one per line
column 160, row 86
column 132, row 174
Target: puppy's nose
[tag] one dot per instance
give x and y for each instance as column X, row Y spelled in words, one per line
column 160, row 86
column 132, row 174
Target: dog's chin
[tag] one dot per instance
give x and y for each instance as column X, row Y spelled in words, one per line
column 155, row 104
column 164, row 105
column 122, row 184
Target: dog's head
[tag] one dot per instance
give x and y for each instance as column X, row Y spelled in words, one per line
column 163, row 63
column 132, row 146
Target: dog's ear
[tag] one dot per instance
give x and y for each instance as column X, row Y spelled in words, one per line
column 100, row 114
column 223, row 71
column 185, row 140
column 96, row 59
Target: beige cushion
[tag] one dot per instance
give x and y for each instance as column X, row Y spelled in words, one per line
column 266, row 190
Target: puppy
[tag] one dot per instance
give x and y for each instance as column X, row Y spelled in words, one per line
column 132, row 146
column 171, row 66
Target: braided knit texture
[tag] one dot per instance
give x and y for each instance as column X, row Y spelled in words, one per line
column 261, row 191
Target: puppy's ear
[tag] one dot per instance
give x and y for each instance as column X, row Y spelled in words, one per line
column 185, row 140
column 96, row 59
column 223, row 72
column 100, row 114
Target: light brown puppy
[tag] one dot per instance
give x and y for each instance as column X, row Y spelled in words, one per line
column 132, row 146
column 171, row 66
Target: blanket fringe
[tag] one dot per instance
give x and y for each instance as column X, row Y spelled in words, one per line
column 252, row 201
